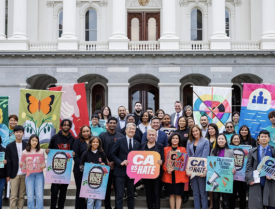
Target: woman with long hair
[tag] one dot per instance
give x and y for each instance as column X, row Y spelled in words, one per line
column 246, row 138
column 183, row 130
column 144, row 125
column 79, row 147
column 106, row 113
column 197, row 146
column 160, row 114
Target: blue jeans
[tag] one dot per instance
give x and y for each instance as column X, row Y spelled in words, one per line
column 2, row 185
column 35, row 187
column 199, row 192
column 91, row 202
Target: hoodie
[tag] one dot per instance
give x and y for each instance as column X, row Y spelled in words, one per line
column 59, row 141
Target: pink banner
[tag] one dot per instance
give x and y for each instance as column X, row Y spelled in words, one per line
column 32, row 163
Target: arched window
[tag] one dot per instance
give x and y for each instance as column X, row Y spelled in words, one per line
column 152, row 30
column 196, row 25
column 227, row 23
column 60, row 23
column 135, row 29
column 91, row 25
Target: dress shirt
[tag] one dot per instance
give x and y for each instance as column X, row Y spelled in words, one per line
column 122, row 123
column 128, row 141
column 175, row 119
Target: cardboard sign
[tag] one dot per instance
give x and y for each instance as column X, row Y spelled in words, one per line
column 219, row 175
column 59, row 166
column 267, row 167
column 143, row 165
column 176, row 160
column 32, row 163
column 94, row 181
column 196, row 166
column 240, row 160
column 2, row 158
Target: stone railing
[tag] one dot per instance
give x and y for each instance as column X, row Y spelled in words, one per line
column 245, row 45
column 50, row 46
column 143, row 45
column 93, row 46
column 194, row 46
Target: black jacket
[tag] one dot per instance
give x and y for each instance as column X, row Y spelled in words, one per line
column 59, row 141
column 184, row 136
column 12, row 159
column 3, row 171
column 90, row 157
column 120, row 153
column 158, row 148
column 138, row 135
column 108, row 141
column 137, row 118
column 79, row 148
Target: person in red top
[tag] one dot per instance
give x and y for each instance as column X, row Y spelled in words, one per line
column 174, row 179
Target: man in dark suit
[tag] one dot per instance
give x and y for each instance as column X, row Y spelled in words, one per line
column 175, row 116
column 121, row 120
column 120, row 152
column 161, row 136
column 14, row 174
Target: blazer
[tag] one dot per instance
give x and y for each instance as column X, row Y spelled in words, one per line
column 227, row 153
column 120, row 153
column 202, row 149
column 162, row 138
column 180, row 176
column 12, row 159
column 172, row 116
column 118, row 128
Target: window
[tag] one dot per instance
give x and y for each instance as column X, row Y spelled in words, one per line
column 236, row 98
column 98, row 97
column 60, row 23
column 227, row 23
column 196, row 25
column 91, row 25
column 135, row 29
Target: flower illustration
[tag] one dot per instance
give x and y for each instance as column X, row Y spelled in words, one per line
column 68, row 156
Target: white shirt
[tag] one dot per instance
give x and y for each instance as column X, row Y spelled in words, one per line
column 128, row 142
column 175, row 119
column 144, row 128
column 122, row 123
column 19, row 152
column 204, row 132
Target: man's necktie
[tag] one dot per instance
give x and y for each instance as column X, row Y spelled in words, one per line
column 176, row 124
column 263, row 153
column 130, row 145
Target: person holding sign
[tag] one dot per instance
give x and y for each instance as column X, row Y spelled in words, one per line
column 152, row 186
column 2, row 172
column 174, row 179
column 222, row 150
column 35, row 181
column 95, row 155
column 260, row 193
column 197, row 146
column 120, row 151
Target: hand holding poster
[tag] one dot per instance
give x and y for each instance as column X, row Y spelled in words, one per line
column 143, row 165
column 94, row 181
column 219, row 175
column 176, row 160
column 32, row 163
column 59, row 166
column 2, row 158
column 240, row 160
column 267, row 167
column 196, row 166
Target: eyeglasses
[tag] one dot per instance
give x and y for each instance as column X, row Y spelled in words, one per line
column 229, row 127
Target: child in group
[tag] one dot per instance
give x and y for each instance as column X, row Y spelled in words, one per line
column 35, row 181
column 94, row 154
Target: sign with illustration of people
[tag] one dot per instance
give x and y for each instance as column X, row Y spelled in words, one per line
column 4, row 120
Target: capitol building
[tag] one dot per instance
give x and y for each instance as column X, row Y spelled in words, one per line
column 153, row 51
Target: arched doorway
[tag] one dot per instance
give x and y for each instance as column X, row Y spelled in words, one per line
column 98, row 97
column 187, row 98
column 41, row 81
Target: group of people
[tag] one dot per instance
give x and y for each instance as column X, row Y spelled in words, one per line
column 111, row 145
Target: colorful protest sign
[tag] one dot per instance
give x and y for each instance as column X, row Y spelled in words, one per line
column 39, row 113
column 168, row 131
column 258, row 100
column 59, row 166
column 102, row 124
column 196, row 166
column 74, row 106
column 2, row 158
column 176, row 160
column 94, row 181
column 214, row 102
column 219, row 174
column 143, row 165
column 32, row 163
column 267, row 167
column 4, row 120
column 240, row 160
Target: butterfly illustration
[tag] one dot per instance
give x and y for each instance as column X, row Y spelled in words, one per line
column 44, row 105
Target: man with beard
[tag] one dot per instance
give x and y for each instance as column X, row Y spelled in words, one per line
column 204, row 123
column 108, row 139
column 150, row 111
column 63, row 140
column 138, row 109
column 121, row 119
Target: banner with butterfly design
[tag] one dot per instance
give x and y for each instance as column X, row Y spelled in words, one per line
column 4, row 120
column 39, row 113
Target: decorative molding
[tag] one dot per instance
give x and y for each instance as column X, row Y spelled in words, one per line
column 209, row 3
column 231, row 9
column 87, row 6
column 198, row 5
column 152, row 3
column 237, row 2
column 50, row 4
column 183, row 3
column 103, row 3
column 57, row 9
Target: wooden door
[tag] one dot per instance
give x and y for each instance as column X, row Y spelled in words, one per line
column 98, row 97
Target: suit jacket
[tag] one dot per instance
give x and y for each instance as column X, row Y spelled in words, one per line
column 12, row 159
column 202, row 149
column 227, row 153
column 118, row 128
column 120, row 153
column 162, row 138
column 173, row 117
column 255, row 191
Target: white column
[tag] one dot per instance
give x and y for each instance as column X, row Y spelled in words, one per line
column 50, row 5
column 20, row 20
column 268, row 26
column 117, row 95
column 2, row 19
column 103, row 5
column 219, row 40
column 69, row 41
column 169, row 38
column 119, row 39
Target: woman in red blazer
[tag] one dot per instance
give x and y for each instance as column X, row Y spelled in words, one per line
column 174, row 179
